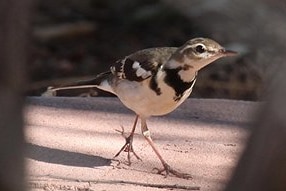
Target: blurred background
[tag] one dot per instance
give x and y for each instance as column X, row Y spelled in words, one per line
column 73, row 39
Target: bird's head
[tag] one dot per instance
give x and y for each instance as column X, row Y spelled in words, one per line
column 199, row 52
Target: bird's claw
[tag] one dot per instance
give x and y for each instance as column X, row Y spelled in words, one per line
column 127, row 147
column 122, row 132
column 168, row 170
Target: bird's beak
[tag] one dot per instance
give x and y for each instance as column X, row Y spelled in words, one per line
column 228, row 52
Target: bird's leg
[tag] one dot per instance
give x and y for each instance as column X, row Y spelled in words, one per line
column 128, row 147
column 167, row 169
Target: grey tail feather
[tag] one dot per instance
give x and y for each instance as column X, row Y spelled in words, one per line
column 82, row 86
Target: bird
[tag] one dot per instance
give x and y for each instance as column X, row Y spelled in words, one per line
column 154, row 82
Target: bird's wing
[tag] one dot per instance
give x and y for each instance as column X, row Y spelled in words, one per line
column 141, row 65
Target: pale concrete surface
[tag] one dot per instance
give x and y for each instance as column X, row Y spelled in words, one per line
column 71, row 143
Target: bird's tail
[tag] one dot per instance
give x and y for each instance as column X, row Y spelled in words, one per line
column 86, row 87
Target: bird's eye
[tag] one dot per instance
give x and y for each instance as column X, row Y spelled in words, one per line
column 200, row 49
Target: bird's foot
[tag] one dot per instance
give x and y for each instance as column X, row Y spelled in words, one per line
column 127, row 147
column 168, row 170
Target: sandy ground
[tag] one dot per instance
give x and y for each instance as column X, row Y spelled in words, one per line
column 71, row 143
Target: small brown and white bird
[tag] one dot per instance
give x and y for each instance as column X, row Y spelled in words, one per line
column 154, row 82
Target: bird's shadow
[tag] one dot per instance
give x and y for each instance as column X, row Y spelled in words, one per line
column 57, row 156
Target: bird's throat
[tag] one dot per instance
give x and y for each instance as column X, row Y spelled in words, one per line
column 181, row 80
column 180, row 71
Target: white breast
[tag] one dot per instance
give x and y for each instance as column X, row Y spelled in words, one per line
column 138, row 97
